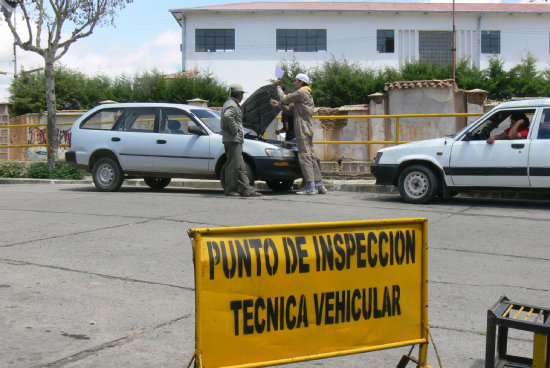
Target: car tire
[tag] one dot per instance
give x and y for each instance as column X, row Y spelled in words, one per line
column 107, row 175
column 157, row 183
column 249, row 173
column 280, row 185
column 418, row 184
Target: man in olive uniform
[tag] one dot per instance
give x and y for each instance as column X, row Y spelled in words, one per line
column 232, row 131
column 300, row 103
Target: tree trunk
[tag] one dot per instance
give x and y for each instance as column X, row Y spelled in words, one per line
column 53, row 134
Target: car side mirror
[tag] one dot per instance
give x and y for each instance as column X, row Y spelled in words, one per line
column 468, row 136
column 193, row 129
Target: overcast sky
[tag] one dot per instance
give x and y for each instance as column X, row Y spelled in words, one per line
column 146, row 37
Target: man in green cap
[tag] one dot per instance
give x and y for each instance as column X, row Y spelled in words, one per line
column 232, row 131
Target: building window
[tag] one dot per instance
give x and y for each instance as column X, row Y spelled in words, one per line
column 435, row 47
column 214, row 40
column 490, row 42
column 385, row 40
column 302, row 40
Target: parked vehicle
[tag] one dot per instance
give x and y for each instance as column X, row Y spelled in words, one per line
column 160, row 141
column 466, row 162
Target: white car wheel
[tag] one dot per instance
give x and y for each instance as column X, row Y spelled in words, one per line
column 107, row 175
column 418, row 184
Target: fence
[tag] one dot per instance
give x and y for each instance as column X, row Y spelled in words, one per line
column 66, row 133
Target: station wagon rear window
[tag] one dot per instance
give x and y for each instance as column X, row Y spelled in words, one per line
column 102, row 120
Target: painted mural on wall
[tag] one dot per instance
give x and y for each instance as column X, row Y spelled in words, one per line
column 38, row 135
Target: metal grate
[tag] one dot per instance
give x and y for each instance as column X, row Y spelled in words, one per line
column 436, row 47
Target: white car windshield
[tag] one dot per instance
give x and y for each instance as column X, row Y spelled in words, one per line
column 210, row 118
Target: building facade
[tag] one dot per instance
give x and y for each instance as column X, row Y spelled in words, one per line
column 244, row 42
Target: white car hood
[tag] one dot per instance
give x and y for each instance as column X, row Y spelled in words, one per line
column 419, row 145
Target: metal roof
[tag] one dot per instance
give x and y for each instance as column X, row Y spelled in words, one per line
column 303, row 6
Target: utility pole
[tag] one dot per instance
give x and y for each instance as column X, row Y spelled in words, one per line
column 454, row 43
column 14, row 46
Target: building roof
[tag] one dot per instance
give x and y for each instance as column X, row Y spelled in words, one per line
column 432, row 83
column 267, row 6
column 360, row 107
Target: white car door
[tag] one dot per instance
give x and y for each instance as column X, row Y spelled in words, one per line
column 539, row 155
column 475, row 163
column 133, row 139
column 182, row 145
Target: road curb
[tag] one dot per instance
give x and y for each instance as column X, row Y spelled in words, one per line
column 332, row 185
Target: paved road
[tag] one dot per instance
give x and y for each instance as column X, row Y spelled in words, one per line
column 93, row 279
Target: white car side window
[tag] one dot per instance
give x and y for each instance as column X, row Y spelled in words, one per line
column 177, row 122
column 102, row 120
column 138, row 120
column 544, row 128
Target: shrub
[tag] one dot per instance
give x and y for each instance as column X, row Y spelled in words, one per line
column 39, row 170
column 12, row 169
column 63, row 170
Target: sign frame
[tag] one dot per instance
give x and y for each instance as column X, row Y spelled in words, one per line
column 198, row 235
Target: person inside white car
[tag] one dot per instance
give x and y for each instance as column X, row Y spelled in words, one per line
column 519, row 128
column 174, row 127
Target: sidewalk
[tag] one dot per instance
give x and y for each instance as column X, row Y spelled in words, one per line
column 355, row 185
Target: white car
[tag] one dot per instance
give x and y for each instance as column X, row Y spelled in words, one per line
column 465, row 161
column 160, row 141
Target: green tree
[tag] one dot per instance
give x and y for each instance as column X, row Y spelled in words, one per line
column 339, row 82
column 497, row 80
column 27, row 93
column 206, row 86
column 469, row 77
column 149, row 87
column 120, row 89
column 73, row 91
column 525, row 80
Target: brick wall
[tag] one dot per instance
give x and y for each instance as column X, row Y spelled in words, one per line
column 4, row 120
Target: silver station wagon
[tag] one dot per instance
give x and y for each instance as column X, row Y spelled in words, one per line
column 160, row 141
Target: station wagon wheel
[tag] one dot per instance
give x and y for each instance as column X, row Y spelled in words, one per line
column 418, row 184
column 157, row 183
column 280, row 185
column 107, row 175
column 249, row 173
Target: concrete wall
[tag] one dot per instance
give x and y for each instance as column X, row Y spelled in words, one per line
column 5, row 110
column 426, row 101
column 37, row 135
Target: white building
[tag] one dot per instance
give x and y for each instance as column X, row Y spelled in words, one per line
column 244, row 42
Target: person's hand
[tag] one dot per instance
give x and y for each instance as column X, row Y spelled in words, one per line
column 277, row 132
column 274, row 103
column 279, row 82
column 491, row 140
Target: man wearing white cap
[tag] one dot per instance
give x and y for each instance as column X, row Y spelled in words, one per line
column 232, row 131
column 300, row 104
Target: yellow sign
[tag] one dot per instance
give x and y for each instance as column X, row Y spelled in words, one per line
column 285, row 293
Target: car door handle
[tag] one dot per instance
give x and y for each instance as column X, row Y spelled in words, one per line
column 518, row 145
column 161, row 141
column 115, row 139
